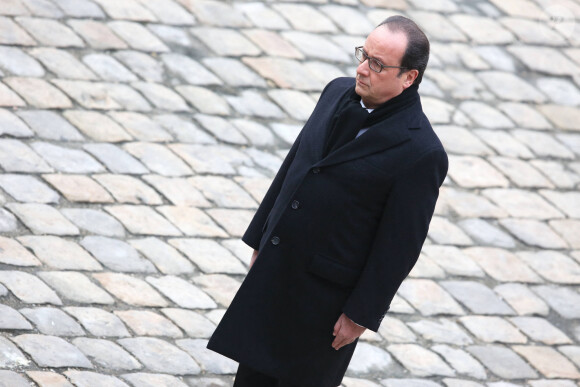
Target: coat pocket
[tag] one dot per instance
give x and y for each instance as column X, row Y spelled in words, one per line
column 333, row 271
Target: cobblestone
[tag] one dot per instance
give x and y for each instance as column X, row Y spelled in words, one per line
column 539, row 329
column 43, row 219
column 98, row 322
column 52, row 321
column 429, row 297
column 503, row 362
column 95, row 222
column 461, row 361
column 76, row 287
column 502, row 265
column 147, row 323
column 107, row 354
column 51, row 351
column 420, row 361
column 548, row 361
column 130, row 290
column 493, row 329
column 165, row 257
column 17, row 62
column 534, row 233
column 59, row 253
column 441, row 331
column 477, row 297
column 116, row 255
column 97, row 34
column 78, row 188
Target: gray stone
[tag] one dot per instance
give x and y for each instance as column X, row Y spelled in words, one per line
column 522, row 299
column 11, row 33
column 189, row 70
column 461, row 171
column 94, row 221
column 441, row 331
column 543, row 144
column 486, row 234
column 184, row 131
column 98, row 322
column 12, row 379
column 237, row 73
column 141, row 127
column 453, row 260
column 502, row 361
column 208, row 360
column 395, row 331
column 143, row 220
column 50, row 32
column 461, row 361
column 468, row 204
column 11, row 99
column 220, row 287
column 116, row 255
column 43, row 219
column 504, row 143
column 108, row 68
column 50, row 126
column 10, row 319
column 179, row 191
column 129, row 10
column 216, row 159
column 10, row 355
column 217, row 13
column 76, row 287
column 553, row 266
column 97, row 126
column 78, row 188
column 235, row 222
column 262, row 16
column 510, row 87
column 253, row 104
column 165, row 257
column 160, row 356
column 27, row 189
column 137, row 36
column 305, row 18
column 569, row 230
column 442, row 231
column 568, row 202
column 460, row 140
column 317, row 47
column 48, row 379
column 209, row 256
column 425, row 267
column 67, row 160
column 572, row 352
column 548, row 361
column 560, row 115
column 148, row 323
column 408, row 382
column 520, row 172
column 286, row 73
column 563, row 300
column 8, row 222
column 502, row 265
column 477, row 297
column 544, row 60
column 52, row 321
column 127, row 189
column 232, row 42
column 491, row 329
column 115, row 159
column 534, row 233
column 88, row 379
column 12, row 253
column 192, row 221
column 182, row 292
column 429, row 298
column 161, row 96
column 539, row 329
column 485, row 115
column 204, row 100
column 520, row 203
column 63, row 64
column 557, row 173
column 273, row 44
column 420, row 361
column 17, row 62
column 223, row 192
column 482, row 30
column 142, row 64
column 153, row 380
column 15, row 156
column 107, row 354
column 60, row 253
column 221, row 129
column 368, row 358
column 51, row 351
column 559, row 91
column 130, row 290
column 80, row 8
column 39, row 93
column 297, row 104
column 193, row 323
column 170, row 12
column 96, row 33
column 348, row 19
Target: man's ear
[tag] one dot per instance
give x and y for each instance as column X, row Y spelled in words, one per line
column 410, row 77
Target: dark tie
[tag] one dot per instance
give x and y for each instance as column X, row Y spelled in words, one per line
column 347, row 123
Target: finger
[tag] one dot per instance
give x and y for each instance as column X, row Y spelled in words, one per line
column 337, row 327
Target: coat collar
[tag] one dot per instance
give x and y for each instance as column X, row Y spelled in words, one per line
column 381, row 136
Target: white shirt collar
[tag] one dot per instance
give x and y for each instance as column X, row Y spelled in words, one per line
column 363, row 105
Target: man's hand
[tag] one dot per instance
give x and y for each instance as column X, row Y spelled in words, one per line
column 345, row 332
column 254, row 256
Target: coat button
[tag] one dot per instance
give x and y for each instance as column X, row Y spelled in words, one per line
column 295, row 204
column 275, row 241
column 316, row 170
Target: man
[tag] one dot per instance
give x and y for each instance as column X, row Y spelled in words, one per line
column 342, row 224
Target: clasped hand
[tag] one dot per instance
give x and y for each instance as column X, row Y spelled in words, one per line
column 345, row 332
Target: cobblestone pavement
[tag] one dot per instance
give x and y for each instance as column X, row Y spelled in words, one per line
column 138, row 136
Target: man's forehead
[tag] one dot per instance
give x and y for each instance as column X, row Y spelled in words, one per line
column 383, row 42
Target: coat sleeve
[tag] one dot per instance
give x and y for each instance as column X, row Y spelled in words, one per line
column 253, row 234
column 402, row 230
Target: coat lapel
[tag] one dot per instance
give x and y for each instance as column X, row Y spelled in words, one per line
column 383, row 135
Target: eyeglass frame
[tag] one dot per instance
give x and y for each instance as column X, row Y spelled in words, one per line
column 375, row 60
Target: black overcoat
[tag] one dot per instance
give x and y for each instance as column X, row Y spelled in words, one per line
column 335, row 234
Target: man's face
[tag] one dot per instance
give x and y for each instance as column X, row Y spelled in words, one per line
column 388, row 47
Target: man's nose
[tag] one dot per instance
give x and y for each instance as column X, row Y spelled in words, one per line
column 363, row 68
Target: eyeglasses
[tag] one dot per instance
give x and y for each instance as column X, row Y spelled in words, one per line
column 374, row 63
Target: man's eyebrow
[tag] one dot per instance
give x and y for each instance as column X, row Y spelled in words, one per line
column 374, row 57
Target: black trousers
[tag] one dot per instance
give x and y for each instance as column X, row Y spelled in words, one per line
column 248, row 377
